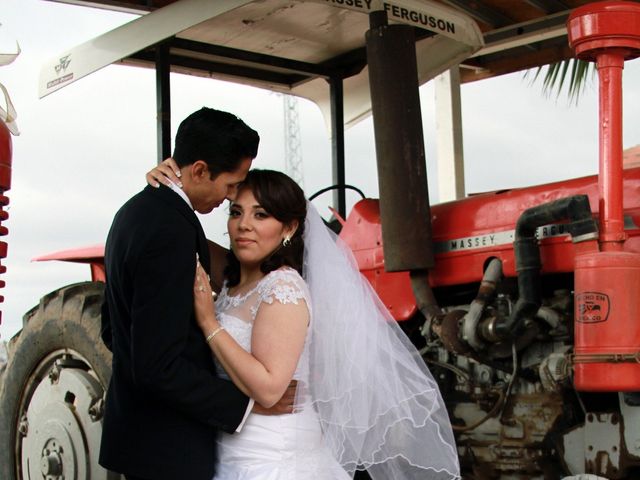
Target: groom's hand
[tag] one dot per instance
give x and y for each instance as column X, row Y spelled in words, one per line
column 282, row 406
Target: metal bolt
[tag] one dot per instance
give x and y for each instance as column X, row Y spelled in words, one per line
column 96, row 410
column 54, row 374
column 23, row 426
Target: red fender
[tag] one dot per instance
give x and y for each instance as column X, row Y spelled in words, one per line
column 92, row 255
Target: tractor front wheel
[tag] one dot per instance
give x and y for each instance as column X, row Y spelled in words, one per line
column 52, row 394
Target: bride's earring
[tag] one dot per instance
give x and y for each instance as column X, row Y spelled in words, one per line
column 286, row 241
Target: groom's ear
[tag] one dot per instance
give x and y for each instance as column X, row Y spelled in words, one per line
column 199, row 170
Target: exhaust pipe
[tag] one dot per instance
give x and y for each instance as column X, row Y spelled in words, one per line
column 402, row 173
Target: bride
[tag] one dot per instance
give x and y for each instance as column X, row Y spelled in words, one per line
column 294, row 306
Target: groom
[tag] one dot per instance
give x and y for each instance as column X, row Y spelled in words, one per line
column 164, row 402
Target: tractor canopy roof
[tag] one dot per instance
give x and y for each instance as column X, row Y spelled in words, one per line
column 299, row 47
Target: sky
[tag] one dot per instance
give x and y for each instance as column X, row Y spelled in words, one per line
column 84, row 150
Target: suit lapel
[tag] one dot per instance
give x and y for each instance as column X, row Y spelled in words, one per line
column 174, row 200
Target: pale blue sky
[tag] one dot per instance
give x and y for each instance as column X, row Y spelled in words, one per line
column 84, row 150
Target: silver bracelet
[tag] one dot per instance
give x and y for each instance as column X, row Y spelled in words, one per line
column 214, row 333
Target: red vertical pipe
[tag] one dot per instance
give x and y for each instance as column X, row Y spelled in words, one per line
column 608, row 33
column 5, row 184
column 610, row 65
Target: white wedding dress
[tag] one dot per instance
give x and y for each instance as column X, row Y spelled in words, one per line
column 281, row 447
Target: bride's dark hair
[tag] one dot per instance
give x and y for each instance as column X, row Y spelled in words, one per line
column 282, row 198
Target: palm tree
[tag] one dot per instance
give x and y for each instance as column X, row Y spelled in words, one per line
column 575, row 71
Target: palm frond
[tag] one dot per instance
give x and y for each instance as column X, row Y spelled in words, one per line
column 556, row 75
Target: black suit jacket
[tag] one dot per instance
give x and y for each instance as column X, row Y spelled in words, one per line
column 164, row 403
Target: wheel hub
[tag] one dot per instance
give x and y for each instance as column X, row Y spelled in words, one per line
column 51, row 462
column 59, row 428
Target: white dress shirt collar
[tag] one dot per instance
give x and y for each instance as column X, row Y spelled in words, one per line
column 180, row 192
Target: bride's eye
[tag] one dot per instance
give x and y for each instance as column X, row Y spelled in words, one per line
column 262, row 214
column 234, row 212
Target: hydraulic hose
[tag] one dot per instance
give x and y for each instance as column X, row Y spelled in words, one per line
column 487, row 289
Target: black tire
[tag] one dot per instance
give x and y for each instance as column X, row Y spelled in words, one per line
column 53, row 390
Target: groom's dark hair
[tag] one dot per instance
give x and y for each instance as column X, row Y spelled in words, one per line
column 218, row 138
column 282, row 198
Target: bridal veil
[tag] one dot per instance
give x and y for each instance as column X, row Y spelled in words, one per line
column 380, row 408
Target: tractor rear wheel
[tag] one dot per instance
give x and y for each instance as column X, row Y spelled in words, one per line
column 51, row 399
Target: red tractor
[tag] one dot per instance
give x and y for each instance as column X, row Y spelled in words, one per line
column 522, row 302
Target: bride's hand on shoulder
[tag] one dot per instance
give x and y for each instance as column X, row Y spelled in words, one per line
column 204, row 307
column 165, row 172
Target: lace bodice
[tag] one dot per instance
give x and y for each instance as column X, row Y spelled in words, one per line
column 237, row 313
